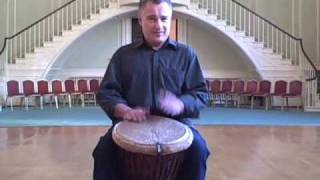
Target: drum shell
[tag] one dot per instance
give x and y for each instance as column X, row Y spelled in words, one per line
column 149, row 167
column 139, row 145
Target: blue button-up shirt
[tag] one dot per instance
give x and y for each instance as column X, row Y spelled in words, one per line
column 137, row 73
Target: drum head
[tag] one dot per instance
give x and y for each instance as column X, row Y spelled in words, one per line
column 143, row 137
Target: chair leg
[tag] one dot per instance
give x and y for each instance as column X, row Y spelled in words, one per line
column 11, row 104
column 26, row 101
column 266, row 100
column 69, row 100
column 95, row 99
column 51, row 100
column 252, row 100
column 213, row 101
column 56, row 101
column 225, row 100
column 41, row 102
column 82, row 100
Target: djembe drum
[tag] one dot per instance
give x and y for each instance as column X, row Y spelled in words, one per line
column 153, row 149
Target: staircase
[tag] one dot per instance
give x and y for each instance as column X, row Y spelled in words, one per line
column 30, row 53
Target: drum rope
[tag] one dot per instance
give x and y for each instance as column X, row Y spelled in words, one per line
column 159, row 151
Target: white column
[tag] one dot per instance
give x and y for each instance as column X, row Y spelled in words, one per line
column 126, row 31
column 183, row 30
column 318, row 33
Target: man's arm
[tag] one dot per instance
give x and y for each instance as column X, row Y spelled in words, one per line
column 194, row 93
column 111, row 90
column 111, row 95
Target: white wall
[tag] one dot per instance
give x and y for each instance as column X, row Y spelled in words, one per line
column 309, row 27
column 218, row 56
column 3, row 7
column 90, row 54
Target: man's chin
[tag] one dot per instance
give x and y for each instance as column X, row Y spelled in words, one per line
column 157, row 42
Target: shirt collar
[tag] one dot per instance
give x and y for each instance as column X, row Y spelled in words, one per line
column 167, row 44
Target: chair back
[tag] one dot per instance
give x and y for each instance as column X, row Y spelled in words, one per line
column 226, row 86
column 252, row 86
column 295, row 88
column 82, row 85
column 69, row 86
column 28, row 87
column 94, row 85
column 13, row 88
column 280, row 87
column 215, row 86
column 238, row 86
column 56, row 87
column 264, row 86
column 43, row 87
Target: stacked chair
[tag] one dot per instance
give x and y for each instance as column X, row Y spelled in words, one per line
column 68, row 90
column 240, row 91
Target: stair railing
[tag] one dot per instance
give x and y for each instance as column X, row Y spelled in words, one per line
column 46, row 28
column 272, row 37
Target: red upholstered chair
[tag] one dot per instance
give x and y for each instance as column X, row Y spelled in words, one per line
column 43, row 90
column 295, row 91
column 71, row 90
column 280, row 89
column 263, row 91
column 208, row 81
column 58, row 91
column 225, row 90
column 86, row 94
column 94, row 88
column 13, row 91
column 235, row 93
column 251, row 87
column 28, row 92
column 215, row 88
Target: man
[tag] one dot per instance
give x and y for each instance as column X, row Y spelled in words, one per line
column 157, row 76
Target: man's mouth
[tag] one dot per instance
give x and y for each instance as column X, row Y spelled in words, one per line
column 158, row 33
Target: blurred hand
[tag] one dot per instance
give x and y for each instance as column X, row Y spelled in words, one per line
column 130, row 114
column 170, row 103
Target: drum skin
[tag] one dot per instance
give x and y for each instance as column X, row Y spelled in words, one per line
column 152, row 149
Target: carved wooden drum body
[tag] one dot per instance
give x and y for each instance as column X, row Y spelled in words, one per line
column 153, row 149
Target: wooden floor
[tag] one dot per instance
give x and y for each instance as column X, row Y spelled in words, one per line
column 239, row 153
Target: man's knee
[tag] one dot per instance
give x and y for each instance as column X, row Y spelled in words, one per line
column 199, row 145
column 104, row 145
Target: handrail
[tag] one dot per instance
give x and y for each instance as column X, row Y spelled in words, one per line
column 285, row 32
column 44, row 17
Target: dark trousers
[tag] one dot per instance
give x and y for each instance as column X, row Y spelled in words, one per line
column 106, row 154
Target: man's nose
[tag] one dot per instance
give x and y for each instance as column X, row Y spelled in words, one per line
column 158, row 23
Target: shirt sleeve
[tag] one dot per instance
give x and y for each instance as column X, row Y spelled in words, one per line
column 194, row 91
column 111, row 90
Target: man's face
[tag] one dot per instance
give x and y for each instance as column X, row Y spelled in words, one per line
column 155, row 20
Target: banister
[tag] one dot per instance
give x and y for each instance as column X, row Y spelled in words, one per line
column 290, row 35
column 24, row 29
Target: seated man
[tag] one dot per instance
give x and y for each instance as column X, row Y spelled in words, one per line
column 158, row 76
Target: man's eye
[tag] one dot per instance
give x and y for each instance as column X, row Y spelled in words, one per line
column 152, row 19
column 164, row 19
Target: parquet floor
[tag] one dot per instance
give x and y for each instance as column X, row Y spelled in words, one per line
column 239, row 153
